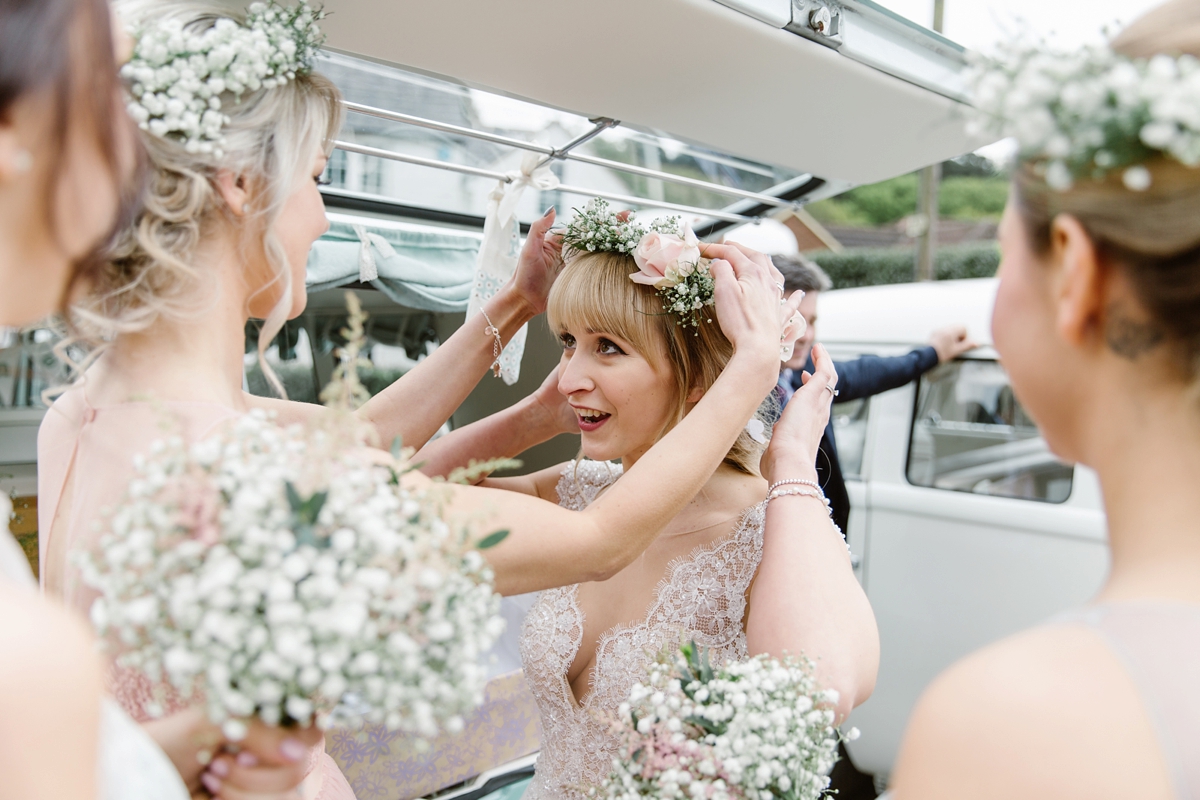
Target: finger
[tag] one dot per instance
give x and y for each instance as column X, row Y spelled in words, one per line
column 824, row 365
column 744, row 267
column 262, row 779
column 761, row 258
column 793, row 303
column 539, row 227
column 279, row 746
column 623, row 216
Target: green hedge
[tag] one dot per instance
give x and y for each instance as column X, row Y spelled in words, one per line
column 869, row 266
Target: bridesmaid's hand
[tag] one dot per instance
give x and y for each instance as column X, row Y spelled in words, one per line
column 553, row 403
column 797, row 435
column 271, row 764
column 538, row 266
column 749, row 305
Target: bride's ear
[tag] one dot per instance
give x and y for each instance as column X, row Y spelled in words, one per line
column 233, row 189
column 695, row 394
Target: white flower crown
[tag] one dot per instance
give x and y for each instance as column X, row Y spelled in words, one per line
column 1078, row 115
column 178, row 78
column 666, row 251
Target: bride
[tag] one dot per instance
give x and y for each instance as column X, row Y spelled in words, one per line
column 743, row 567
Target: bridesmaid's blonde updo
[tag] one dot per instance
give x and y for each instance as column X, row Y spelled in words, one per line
column 1153, row 236
column 271, row 137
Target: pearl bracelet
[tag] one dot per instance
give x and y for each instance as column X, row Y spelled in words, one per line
column 777, row 493
column 799, row 481
column 497, row 345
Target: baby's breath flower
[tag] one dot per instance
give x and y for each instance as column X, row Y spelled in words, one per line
column 1078, row 115
column 350, row 600
column 178, row 76
column 759, row 729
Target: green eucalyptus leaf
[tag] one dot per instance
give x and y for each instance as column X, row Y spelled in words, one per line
column 492, row 539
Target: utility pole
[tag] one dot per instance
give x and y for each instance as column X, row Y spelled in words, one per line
column 928, row 198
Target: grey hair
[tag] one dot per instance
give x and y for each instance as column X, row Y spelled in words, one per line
column 801, row 275
column 149, row 271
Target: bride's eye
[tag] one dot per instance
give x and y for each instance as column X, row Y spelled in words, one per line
column 321, row 180
column 567, row 341
column 608, row 348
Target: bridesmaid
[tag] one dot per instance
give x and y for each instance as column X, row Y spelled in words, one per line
column 68, row 168
column 1097, row 321
column 58, row 95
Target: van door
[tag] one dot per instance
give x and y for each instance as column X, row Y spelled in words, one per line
column 974, row 530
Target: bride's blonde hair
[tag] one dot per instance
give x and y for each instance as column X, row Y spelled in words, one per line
column 1152, row 236
column 594, row 292
column 270, row 139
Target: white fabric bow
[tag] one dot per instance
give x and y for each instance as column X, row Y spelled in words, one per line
column 501, row 246
column 367, row 268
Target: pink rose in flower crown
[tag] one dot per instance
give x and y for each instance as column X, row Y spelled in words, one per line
column 793, row 328
column 664, row 258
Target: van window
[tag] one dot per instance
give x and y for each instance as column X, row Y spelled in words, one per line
column 969, row 434
column 29, row 366
column 302, row 355
column 850, row 434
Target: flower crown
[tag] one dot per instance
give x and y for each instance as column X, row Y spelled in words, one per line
column 178, row 78
column 666, row 251
column 1078, row 115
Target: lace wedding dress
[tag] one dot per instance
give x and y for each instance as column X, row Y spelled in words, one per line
column 702, row 596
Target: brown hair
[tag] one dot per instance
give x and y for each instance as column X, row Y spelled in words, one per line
column 65, row 48
column 801, row 275
column 594, row 292
column 1153, row 237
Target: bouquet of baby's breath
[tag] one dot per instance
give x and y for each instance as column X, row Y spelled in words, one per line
column 278, row 573
column 757, row 729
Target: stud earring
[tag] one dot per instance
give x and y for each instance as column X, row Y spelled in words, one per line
column 22, row 162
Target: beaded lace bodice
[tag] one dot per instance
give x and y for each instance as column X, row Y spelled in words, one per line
column 702, row 595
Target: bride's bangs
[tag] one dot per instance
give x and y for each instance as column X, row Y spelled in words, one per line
column 594, row 294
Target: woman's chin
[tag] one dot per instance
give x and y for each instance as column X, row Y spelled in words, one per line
column 597, row 451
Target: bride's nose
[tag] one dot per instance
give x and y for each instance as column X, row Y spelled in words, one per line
column 573, row 376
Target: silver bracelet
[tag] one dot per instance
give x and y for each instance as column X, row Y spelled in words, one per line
column 497, row 345
column 798, row 481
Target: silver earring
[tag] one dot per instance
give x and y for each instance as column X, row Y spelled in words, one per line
column 22, row 162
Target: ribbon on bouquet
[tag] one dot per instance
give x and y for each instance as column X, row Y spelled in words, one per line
column 368, row 270
column 501, row 248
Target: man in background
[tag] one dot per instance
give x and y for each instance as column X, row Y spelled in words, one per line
column 861, row 377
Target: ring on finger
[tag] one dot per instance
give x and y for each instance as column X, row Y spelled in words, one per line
column 780, row 287
column 832, row 390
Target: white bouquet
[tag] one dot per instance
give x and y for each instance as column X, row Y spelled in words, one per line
column 758, row 729
column 277, row 573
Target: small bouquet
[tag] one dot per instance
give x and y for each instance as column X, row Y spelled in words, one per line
column 279, row 573
column 758, row 729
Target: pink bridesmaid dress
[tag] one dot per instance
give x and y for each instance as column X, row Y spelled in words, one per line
column 85, row 456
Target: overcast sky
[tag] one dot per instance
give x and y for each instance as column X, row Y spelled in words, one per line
column 979, row 23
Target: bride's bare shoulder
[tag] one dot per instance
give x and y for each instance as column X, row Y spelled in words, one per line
column 1049, row 712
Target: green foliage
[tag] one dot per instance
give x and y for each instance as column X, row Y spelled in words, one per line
column 962, row 196
column 304, row 515
column 492, row 539
column 876, row 266
column 972, row 198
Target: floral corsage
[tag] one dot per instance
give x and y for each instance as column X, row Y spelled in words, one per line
column 667, row 254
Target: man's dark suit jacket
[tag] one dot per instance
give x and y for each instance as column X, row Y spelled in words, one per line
column 862, row 377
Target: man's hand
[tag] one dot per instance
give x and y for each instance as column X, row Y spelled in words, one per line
column 951, row 342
